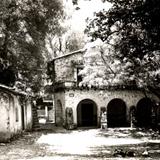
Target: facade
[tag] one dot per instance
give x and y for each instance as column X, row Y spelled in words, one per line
column 83, row 107
column 16, row 113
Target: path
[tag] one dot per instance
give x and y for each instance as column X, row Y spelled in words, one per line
column 82, row 145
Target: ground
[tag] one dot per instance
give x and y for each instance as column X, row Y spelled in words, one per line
column 83, row 144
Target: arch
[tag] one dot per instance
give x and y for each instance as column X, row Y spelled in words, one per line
column 116, row 113
column 144, row 112
column 87, row 113
column 59, row 113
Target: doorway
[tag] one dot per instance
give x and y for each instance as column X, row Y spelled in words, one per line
column 116, row 113
column 22, row 116
column 144, row 112
column 87, row 113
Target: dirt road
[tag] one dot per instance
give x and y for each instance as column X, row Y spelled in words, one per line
column 83, row 144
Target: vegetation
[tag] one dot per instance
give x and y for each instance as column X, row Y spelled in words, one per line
column 24, row 27
column 126, row 40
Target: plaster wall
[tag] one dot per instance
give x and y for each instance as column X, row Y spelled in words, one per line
column 11, row 115
column 4, row 110
column 28, row 120
column 60, row 96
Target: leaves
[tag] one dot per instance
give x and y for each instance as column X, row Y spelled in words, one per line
column 24, row 26
column 131, row 29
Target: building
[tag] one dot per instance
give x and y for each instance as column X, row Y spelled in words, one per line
column 16, row 113
column 45, row 111
column 82, row 107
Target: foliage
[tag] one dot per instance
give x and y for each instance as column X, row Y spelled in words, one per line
column 75, row 41
column 68, row 39
column 104, row 69
column 65, row 43
column 132, row 30
column 24, row 26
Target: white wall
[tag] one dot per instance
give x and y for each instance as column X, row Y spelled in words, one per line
column 11, row 114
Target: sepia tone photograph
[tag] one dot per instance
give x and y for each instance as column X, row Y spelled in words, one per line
column 79, row 79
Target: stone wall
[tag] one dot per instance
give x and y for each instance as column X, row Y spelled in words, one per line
column 64, row 66
column 71, row 98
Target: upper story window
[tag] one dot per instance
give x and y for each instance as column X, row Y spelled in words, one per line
column 77, row 77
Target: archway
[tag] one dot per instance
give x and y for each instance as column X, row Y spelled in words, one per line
column 144, row 112
column 116, row 113
column 87, row 113
column 59, row 113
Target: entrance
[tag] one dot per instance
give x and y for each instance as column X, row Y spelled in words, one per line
column 59, row 113
column 87, row 113
column 116, row 113
column 22, row 116
column 144, row 112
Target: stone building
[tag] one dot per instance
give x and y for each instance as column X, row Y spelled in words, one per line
column 86, row 105
column 16, row 113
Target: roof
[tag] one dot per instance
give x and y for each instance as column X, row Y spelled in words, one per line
column 72, row 53
column 13, row 90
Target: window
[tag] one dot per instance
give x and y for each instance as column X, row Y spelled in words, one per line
column 79, row 77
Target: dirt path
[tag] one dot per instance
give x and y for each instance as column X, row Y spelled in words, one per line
column 83, row 144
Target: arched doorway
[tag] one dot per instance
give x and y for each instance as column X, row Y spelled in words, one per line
column 59, row 113
column 116, row 113
column 144, row 112
column 87, row 113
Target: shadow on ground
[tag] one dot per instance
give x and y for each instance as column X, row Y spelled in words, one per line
column 82, row 144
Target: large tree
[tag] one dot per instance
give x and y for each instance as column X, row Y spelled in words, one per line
column 131, row 31
column 24, row 26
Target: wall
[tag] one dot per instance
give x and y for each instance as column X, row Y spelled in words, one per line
column 4, row 118
column 64, row 70
column 101, row 97
column 60, row 96
column 51, row 116
column 11, row 114
column 28, row 115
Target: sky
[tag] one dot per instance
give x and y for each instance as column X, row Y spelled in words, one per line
column 87, row 9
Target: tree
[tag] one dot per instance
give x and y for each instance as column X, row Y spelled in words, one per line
column 132, row 30
column 69, row 39
column 65, row 43
column 75, row 41
column 23, row 30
